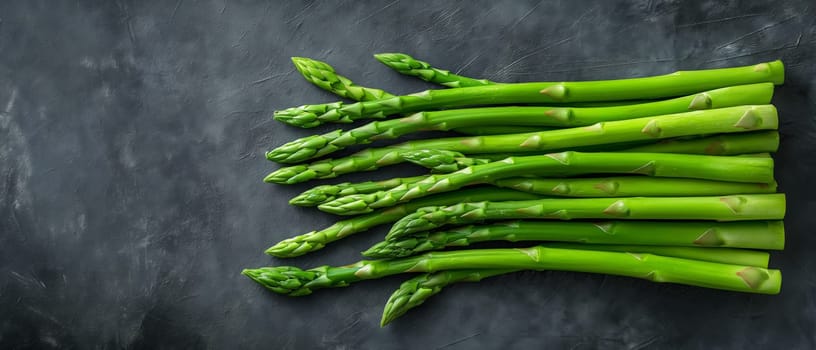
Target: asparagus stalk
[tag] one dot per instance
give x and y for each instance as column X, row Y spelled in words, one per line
column 296, row 282
column 324, row 193
column 629, row 186
column 441, row 161
column 718, row 255
column 675, row 84
column 326, row 77
column 374, row 158
column 730, row 144
column 715, row 145
column 608, row 128
column 415, row 291
column 724, row 208
column 436, row 160
column 408, row 65
column 316, row 240
column 323, row 75
column 622, row 186
column 734, row 169
column 739, row 234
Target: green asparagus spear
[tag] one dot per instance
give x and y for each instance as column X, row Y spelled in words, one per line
column 415, row 291
column 675, row 84
column 316, row 240
column 725, row 144
column 441, row 161
column 436, row 160
column 622, row 186
column 375, row 158
column 740, row 234
column 609, row 127
column 715, row 145
column 324, row 76
column 324, row 193
column 734, row 169
column 725, row 208
column 296, row 282
column 718, row 255
column 628, row 186
column 408, row 65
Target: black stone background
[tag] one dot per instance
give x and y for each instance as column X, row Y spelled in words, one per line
column 131, row 140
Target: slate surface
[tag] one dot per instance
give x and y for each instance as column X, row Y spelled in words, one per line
column 131, row 140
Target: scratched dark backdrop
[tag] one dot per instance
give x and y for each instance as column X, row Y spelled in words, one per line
column 131, row 140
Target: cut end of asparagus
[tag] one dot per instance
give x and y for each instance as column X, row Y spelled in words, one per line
column 776, row 69
column 286, row 280
column 761, row 280
column 778, row 227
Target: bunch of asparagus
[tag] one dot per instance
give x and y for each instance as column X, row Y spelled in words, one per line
column 666, row 178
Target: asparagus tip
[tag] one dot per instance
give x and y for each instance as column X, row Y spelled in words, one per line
column 347, row 205
column 280, row 249
column 386, row 57
column 297, row 60
column 410, row 294
column 291, row 175
column 287, row 280
column 271, row 178
column 386, row 250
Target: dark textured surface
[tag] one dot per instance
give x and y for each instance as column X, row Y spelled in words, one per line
column 131, row 140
